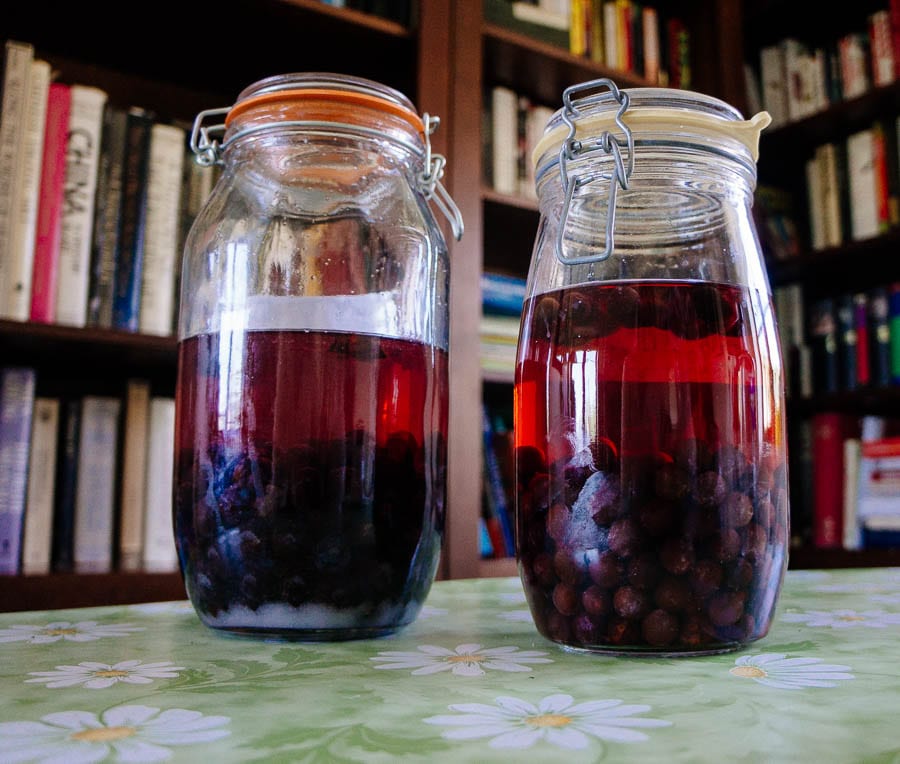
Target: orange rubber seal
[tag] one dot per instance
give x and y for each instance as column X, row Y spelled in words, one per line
column 322, row 94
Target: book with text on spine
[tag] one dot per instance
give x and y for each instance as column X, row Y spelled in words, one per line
column 16, row 411
column 37, row 537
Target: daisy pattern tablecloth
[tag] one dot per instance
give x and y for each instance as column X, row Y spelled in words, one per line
column 470, row 680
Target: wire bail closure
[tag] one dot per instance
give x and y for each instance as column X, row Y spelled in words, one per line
column 207, row 146
column 606, row 143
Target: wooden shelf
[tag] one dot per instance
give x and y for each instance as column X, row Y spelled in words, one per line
column 62, row 590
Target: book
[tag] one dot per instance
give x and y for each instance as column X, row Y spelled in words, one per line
column 852, row 531
column 544, row 26
column 830, row 430
column 16, row 284
column 894, row 329
column 48, row 228
column 864, row 215
column 815, row 202
column 105, row 238
column 160, row 554
column 160, row 262
column 66, row 479
column 37, row 535
column 502, row 293
column 650, row 30
column 132, row 502
column 17, row 395
column 879, row 484
column 881, row 47
column 853, row 51
column 504, row 140
column 82, row 162
column 774, row 83
column 863, row 342
column 95, row 487
column 823, row 341
column 132, row 219
column 495, row 491
column 17, row 60
column 879, row 335
column 827, row 159
column 847, row 343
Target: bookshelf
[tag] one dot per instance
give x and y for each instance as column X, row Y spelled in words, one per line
column 855, row 264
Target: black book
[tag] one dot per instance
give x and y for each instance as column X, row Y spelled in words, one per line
column 879, row 337
column 847, row 339
column 130, row 253
column 66, row 484
column 823, row 340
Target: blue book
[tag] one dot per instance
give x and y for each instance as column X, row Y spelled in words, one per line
column 16, row 413
column 498, row 503
column 501, row 293
column 66, row 485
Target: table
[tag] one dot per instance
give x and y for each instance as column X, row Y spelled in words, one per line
column 469, row 681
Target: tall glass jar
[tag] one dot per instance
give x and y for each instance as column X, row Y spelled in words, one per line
column 652, row 503
column 311, row 400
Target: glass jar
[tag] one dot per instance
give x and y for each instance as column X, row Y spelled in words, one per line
column 652, row 502
column 311, row 400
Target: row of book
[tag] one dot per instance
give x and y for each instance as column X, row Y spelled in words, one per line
column 797, row 80
column 100, row 199
column 85, row 482
column 498, row 523
column 845, row 491
column 839, row 344
column 502, row 298
column 626, row 35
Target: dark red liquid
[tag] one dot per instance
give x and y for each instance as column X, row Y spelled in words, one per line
column 310, row 471
column 652, row 502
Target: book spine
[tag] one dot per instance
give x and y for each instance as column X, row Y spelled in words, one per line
column 16, row 412
column 496, row 492
column 861, row 179
column 879, row 337
column 37, row 539
column 160, row 554
column 130, row 255
column 823, row 337
column 894, row 329
column 66, row 480
column 863, row 342
column 650, row 28
column 26, row 196
column 82, row 158
column 16, row 71
column 95, row 487
column 829, row 432
column 881, row 46
column 104, row 240
column 165, row 170
column 134, row 474
column 852, row 536
column 846, row 343
column 504, row 140
column 50, row 204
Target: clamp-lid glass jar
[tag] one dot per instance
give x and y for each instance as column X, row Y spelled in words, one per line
column 652, row 502
column 311, row 400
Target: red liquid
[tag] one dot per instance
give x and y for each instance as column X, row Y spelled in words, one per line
column 652, row 503
column 310, row 470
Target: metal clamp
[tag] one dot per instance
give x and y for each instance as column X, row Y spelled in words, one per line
column 206, row 147
column 573, row 149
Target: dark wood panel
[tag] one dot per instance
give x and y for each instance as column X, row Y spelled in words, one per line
column 806, row 559
column 64, row 590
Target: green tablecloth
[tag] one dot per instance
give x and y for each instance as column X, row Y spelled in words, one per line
column 471, row 680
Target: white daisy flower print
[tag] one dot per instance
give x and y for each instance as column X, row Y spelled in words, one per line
column 98, row 676
column 515, row 723
column 83, row 631
column 844, row 619
column 127, row 733
column 465, row 660
column 776, row 670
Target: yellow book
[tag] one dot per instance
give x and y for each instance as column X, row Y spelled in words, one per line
column 578, row 42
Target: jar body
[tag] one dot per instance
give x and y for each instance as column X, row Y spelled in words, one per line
column 652, row 503
column 311, row 401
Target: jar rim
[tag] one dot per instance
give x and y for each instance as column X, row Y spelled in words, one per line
column 653, row 110
column 354, row 92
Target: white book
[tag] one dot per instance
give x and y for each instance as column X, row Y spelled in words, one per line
column 133, row 493
column 861, row 179
column 27, row 184
column 37, row 535
column 796, row 69
column 16, row 71
column 826, row 155
column 165, row 171
column 815, row 202
column 95, row 485
column 504, row 140
column 610, row 36
column 536, row 14
column 160, row 555
column 774, row 84
column 852, row 530
column 650, row 33
column 82, row 163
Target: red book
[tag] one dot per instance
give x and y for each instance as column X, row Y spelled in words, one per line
column 829, row 430
column 50, row 201
column 863, row 341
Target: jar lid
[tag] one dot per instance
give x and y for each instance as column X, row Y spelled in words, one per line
column 695, row 117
